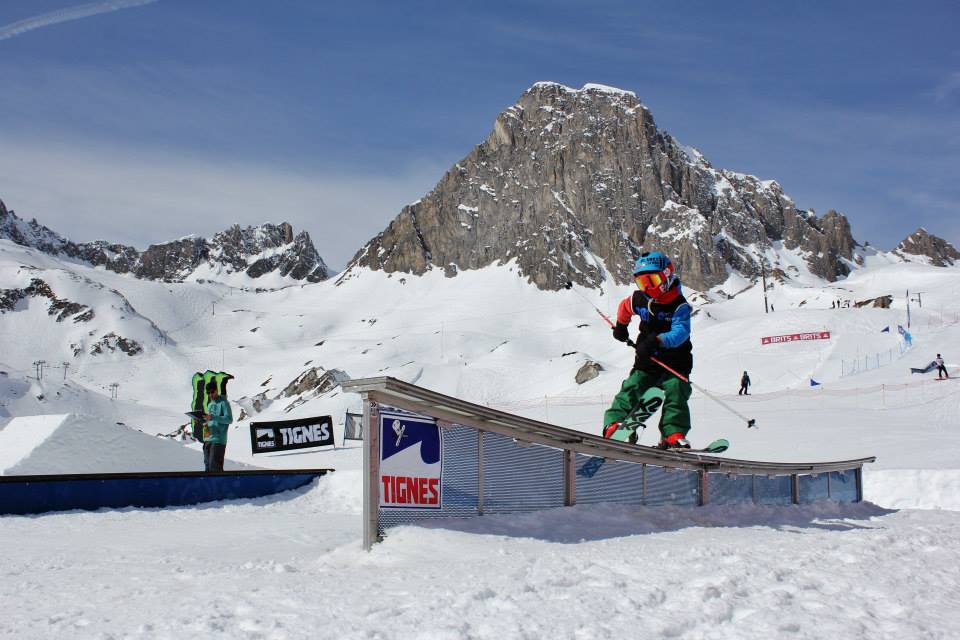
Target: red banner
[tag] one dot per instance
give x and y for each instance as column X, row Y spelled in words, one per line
column 791, row 337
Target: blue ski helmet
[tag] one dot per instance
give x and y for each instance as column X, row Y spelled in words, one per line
column 651, row 262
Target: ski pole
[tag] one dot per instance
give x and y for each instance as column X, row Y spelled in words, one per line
column 630, row 343
column 569, row 285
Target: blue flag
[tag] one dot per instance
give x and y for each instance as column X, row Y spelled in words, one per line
column 885, row 330
column 814, row 383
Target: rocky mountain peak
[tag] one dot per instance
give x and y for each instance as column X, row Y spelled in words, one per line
column 573, row 184
column 921, row 243
column 256, row 251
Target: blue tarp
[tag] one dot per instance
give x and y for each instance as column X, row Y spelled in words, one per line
column 39, row 494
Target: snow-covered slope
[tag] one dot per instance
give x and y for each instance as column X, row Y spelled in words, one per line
column 490, row 337
column 291, row 565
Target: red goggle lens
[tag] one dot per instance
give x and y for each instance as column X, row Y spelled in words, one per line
column 649, row 280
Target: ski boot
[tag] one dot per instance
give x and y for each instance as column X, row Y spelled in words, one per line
column 619, row 431
column 674, row 441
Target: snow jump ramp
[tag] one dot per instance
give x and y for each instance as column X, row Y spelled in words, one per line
column 428, row 455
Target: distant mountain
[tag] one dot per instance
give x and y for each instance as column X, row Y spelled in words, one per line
column 256, row 251
column 938, row 251
column 570, row 181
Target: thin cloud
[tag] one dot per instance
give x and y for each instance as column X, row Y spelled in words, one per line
column 66, row 15
column 140, row 197
column 948, row 87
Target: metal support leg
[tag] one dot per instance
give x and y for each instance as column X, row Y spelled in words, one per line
column 480, row 472
column 569, row 478
column 643, row 484
column 371, row 473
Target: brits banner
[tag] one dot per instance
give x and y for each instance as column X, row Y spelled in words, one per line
column 792, row 337
column 410, row 462
column 287, row 435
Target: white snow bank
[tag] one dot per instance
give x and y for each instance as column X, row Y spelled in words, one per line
column 22, row 435
column 913, row 488
column 52, row 444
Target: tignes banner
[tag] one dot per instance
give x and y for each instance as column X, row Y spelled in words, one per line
column 289, row 435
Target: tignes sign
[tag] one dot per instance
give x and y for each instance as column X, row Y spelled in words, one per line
column 288, row 435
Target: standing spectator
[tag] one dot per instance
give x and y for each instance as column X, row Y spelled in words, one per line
column 941, row 368
column 218, row 418
column 744, row 385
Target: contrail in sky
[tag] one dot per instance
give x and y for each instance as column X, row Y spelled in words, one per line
column 66, row 15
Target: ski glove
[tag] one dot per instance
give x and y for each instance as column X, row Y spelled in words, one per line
column 646, row 348
column 620, row 332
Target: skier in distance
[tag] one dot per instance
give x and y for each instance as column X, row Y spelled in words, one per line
column 665, row 334
column 941, row 368
column 744, row 385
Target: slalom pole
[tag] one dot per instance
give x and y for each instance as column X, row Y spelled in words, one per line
column 751, row 423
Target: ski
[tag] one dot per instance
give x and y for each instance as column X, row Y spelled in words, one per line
column 717, row 446
column 590, row 468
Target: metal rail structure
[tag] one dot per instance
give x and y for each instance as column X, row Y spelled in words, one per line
column 497, row 462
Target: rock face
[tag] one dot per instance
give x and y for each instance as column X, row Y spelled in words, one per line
column 920, row 243
column 255, row 251
column 588, row 371
column 59, row 308
column 570, row 181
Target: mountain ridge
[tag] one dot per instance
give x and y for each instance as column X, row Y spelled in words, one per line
column 255, row 251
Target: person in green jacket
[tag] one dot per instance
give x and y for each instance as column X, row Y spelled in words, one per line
column 218, row 419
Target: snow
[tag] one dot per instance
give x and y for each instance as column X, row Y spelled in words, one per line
column 291, row 566
column 590, row 86
column 39, row 445
column 602, row 88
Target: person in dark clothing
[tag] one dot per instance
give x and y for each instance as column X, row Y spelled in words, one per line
column 744, row 385
column 941, row 368
column 218, row 419
column 665, row 335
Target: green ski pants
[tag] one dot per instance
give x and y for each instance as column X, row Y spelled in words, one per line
column 676, row 414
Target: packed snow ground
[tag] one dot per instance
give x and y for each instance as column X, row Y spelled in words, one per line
column 291, row 566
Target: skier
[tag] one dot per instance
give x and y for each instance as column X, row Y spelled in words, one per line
column 664, row 334
column 218, row 419
column 941, row 368
column 744, row 384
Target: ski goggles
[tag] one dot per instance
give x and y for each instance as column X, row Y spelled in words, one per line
column 649, row 280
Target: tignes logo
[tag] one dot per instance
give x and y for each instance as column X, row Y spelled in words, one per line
column 398, row 430
column 410, row 462
column 284, row 435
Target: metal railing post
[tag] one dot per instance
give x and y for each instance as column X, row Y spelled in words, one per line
column 569, row 478
column 371, row 473
column 480, row 472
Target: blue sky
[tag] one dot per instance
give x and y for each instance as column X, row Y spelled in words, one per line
column 151, row 122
